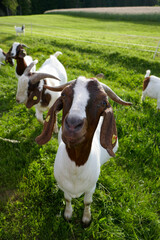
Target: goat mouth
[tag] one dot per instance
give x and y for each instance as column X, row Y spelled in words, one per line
column 73, row 141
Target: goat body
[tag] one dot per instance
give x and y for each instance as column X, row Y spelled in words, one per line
column 23, row 60
column 151, row 88
column 20, row 30
column 32, row 92
column 54, row 67
column 88, row 130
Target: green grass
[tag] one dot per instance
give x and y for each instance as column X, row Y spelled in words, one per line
column 143, row 17
column 126, row 202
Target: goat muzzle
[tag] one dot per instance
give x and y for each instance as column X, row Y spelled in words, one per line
column 74, row 130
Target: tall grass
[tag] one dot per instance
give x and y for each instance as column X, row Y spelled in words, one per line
column 151, row 17
column 126, row 203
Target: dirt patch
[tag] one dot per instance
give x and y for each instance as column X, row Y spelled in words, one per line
column 112, row 10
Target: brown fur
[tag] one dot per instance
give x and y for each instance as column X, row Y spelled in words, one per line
column 146, row 82
column 78, row 143
column 21, row 66
column 45, row 98
column 49, row 122
column 20, row 54
column 35, row 95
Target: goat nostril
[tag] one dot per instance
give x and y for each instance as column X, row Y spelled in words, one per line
column 17, row 100
column 74, row 124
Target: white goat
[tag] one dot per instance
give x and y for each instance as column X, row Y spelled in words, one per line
column 20, row 30
column 30, row 86
column 151, row 88
column 88, row 130
column 18, row 53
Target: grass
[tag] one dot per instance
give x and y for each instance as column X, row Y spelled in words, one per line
column 142, row 17
column 126, row 202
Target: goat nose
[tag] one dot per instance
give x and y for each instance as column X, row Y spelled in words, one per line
column 17, row 100
column 73, row 123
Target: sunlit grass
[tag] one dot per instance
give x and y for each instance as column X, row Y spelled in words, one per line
column 126, row 201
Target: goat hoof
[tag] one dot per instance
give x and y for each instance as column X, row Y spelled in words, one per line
column 86, row 224
column 67, row 216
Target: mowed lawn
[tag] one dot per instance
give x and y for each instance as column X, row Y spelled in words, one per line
column 126, row 203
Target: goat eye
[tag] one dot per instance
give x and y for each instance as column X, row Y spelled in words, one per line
column 104, row 104
column 63, row 94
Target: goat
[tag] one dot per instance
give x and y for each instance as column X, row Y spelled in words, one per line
column 30, row 85
column 3, row 57
column 88, row 130
column 151, row 88
column 20, row 30
column 18, row 53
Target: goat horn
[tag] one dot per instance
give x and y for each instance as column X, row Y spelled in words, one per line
column 113, row 95
column 28, row 69
column 24, row 45
column 59, row 88
column 36, row 77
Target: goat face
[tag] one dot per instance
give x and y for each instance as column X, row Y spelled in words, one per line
column 30, row 87
column 16, row 51
column 83, row 102
column 88, row 104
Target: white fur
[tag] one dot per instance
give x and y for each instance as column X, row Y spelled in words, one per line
column 20, row 30
column 80, row 98
column 153, row 89
column 76, row 180
column 2, row 56
column 28, row 59
column 51, row 66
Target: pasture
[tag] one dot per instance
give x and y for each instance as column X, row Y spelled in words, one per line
column 126, row 203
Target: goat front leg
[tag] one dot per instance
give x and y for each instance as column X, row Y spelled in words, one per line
column 158, row 104
column 143, row 96
column 86, row 219
column 68, row 209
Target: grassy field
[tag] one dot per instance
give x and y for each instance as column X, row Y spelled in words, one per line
column 126, row 203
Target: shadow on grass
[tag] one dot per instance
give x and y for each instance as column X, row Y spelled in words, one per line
column 134, row 63
column 145, row 19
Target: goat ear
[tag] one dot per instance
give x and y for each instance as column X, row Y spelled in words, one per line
column 22, row 53
column 108, row 135
column 49, row 122
column 33, row 98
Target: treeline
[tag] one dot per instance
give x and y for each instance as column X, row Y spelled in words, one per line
column 26, row 7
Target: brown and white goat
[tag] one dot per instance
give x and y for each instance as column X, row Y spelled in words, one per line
column 31, row 89
column 23, row 60
column 151, row 88
column 87, row 139
column 3, row 57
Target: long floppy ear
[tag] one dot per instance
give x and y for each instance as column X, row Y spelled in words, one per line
column 49, row 122
column 33, row 98
column 108, row 135
column 22, row 53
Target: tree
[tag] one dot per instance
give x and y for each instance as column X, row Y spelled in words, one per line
column 24, row 7
column 10, row 5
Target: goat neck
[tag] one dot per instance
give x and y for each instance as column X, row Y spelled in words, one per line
column 21, row 66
